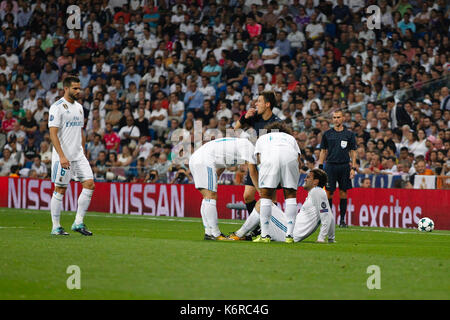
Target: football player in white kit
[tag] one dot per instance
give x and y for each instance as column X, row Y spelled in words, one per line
column 314, row 212
column 207, row 164
column 66, row 122
column 278, row 156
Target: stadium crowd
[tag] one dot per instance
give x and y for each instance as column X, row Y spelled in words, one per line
column 150, row 67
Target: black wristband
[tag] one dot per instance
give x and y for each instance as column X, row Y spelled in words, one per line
column 242, row 119
column 354, row 168
column 321, row 166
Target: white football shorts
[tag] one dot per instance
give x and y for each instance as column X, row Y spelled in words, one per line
column 79, row 170
column 279, row 169
column 204, row 173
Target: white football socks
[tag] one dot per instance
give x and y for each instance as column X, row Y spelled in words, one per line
column 265, row 214
column 211, row 216
column 83, row 204
column 205, row 221
column 55, row 208
column 250, row 224
column 291, row 214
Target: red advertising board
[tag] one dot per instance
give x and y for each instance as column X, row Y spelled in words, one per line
column 395, row 208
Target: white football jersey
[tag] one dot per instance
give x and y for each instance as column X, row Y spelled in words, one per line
column 315, row 203
column 69, row 118
column 228, row 152
column 271, row 144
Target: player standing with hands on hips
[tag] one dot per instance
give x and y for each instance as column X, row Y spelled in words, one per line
column 66, row 122
column 338, row 145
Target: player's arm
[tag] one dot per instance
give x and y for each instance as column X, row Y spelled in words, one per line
column 244, row 119
column 353, row 156
column 323, row 208
column 323, row 151
column 83, row 141
column 322, row 156
column 55, row 141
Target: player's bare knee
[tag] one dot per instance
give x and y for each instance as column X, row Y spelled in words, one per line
column 89, row 184
column 257, row 206
column 267, row 193
column 342, row 194
column 60, row 190
column 249, row 196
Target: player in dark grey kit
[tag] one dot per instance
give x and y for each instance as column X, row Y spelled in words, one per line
column 338, row 145
column 257, row 119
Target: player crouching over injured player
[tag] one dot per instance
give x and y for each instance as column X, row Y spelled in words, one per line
column 314, row 212
column 207, row 164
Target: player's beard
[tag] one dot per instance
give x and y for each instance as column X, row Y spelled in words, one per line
column 73, row 96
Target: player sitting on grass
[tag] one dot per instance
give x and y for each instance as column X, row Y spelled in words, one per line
column 278, row 155
column 207, row 164
column 315, row 210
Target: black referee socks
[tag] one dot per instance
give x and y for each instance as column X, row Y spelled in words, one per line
column 343, row 208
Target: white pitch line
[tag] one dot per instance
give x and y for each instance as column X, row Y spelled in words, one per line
column 12, row 227
column 401, row 232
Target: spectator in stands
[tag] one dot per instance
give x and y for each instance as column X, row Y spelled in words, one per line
column 39, row 167
column 366, row 183
column 381, row 80
column 6, row 162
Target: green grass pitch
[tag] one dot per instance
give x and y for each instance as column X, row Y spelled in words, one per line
column 142, row 257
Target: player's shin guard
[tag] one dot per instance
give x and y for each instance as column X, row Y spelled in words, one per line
column 265, row 214
column 249, row 225
column 291, row 214
column 55, row 208
column 83, row 204
column 343, row 208
column 211, row 216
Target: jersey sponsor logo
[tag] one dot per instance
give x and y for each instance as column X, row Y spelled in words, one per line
column 343, row 144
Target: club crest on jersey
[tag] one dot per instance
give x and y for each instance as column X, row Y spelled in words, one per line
column 343, row 144
column 65, row 106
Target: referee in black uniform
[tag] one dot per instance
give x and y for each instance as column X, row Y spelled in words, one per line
column 338, row 145
column 257, row 119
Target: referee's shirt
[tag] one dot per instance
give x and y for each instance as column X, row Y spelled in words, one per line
column 338, row 144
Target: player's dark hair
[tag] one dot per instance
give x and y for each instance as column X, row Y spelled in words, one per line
column 278, row 126
column 321, row 175
column 269, row 96
column 69, row 80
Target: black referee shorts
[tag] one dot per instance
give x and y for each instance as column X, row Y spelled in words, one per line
column 339, row 173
